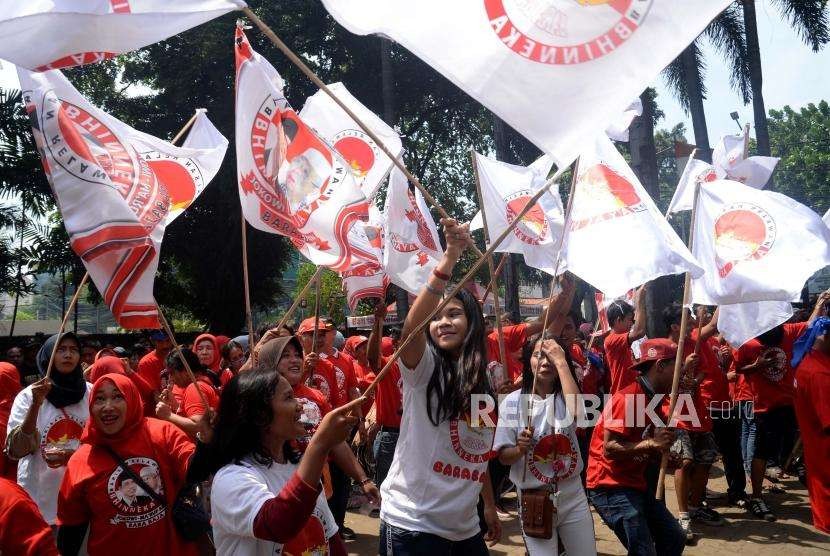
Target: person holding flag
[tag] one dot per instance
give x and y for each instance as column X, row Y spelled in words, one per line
column 627, row 326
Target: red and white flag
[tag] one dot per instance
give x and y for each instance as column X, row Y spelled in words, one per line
column 411, row 247
column 616, row 238
column 290, row 181
column 368, row 279
column 602, row 307
column 50, row 34
column 116, row 189
column 557, row 71
column 755, row 245
column 368, row 163
column 505, row 190
column 695, row 172
column 729, row 162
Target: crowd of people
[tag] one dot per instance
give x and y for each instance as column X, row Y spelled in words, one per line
column 223, row 446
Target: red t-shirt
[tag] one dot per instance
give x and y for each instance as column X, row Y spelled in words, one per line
column 709, row 366
column 24, row 532
column 315, row 407
column 344, row 375
column 364, row 376
column 191, row 404
column 389, row 398
column 740, row 390
column 515, row 337
column 812, row 408
column 122, row 517
column 774, row 387
column 9, row 387
column 619, row 358
column 628, row 473
column 715, row 386
column 324, row 379
column 150, row 367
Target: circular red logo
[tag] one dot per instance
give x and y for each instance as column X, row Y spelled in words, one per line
column 554, row 458
column 533, row 226
column 742, row 232
column 357, row 149
column 472, row 444
column 562, row 32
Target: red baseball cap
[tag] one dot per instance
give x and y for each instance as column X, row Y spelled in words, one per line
column 655, row 349
column 308, row 325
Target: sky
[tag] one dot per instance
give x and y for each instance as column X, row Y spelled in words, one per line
column 793, row 75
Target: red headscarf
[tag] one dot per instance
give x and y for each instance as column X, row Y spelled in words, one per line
column 108, row 364
column 217, row 354
column 352, row 343
column 133, row 419
column 222, row 340
column 387, row 348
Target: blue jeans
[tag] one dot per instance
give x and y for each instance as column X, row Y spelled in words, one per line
column 383, row 450
column 643, row 524
column 747, row 433
column 395, row 541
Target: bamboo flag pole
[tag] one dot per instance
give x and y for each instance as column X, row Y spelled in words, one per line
column 247, row 281
column 681, row 345
column 316, row 309
column 187, row 125
column 72, row 304
column 182, row 358
column 504, row 258
column 493, row 279
column 268, row 32
column 464, row 279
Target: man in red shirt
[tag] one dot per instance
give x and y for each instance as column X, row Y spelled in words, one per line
column 627, row 326
column 319, row 373
column 625, row 439
column 24, row 532
column 151, row 365
column 812, row 407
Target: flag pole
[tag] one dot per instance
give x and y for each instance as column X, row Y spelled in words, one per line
column 746, row 140
column 186, row 126
column 316, row 309
column 246, row 279
column 667, row 216
column 464, row 279
column 308, row 72
column 490, row 265
column 182, row 358
column 504, row 258
column 72, row 304
column 681, row 345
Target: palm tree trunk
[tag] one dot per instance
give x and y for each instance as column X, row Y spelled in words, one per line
column 693, row 88
column 511, row 269
column 387, row 82
column 756, row 78
column 19, row 283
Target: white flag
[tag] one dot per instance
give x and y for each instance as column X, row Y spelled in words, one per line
column 116, row 189
column 368, row 279
column 557, row 71
column 505, row 191
column 826, row 218
column 741, row 322
column 617, row 239
column 49, row 34
column 290, row 182
column 411, row 247
column 729, row 162
column 755, row 245
column 727, row 154
column 618, row 130
column 368, row 163
column 696, row 171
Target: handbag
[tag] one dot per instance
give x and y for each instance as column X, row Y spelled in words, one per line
column 189, row 515
column 537, row 513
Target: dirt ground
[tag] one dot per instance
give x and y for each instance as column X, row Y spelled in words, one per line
column 792, row 534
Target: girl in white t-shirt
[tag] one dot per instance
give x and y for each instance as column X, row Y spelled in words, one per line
column 46, row 422
column 430, row 495
column 546, row 455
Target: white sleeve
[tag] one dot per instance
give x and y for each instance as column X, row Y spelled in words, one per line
column 20, row 407
column 418, row 376
column 507, row 431
column 237, row 495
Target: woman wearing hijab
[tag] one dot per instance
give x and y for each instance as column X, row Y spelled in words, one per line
column 209, row 352
column 109, row 364
column 46, row 422
column 99, row 494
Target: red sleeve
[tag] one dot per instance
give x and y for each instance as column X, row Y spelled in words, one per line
column 514, row 337
column 180, row 448
column 24, row 530
column 351, row 375
column 615, row 342
column 73, row 506
column 616, row 423
column 144, row 387
column 281, row 518
column 192, row 402
column 746, row 354
column 794, row 330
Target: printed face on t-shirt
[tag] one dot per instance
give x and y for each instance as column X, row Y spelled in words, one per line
column 134, row 507
column 449, row 327
column 109, row 408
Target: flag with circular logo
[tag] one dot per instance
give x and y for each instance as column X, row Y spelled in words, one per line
column 755, row 245
column 557, row 71
column 116, row 188
column 365, row 159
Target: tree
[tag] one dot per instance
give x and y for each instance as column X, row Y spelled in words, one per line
column 332, row 299
column 810, row 19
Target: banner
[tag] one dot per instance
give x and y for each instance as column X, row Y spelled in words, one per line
column 755, row 245
column 116, row 188
column 411, row 248
column 290, row 181
column 557, row 71
column 46, row 34
column 505, row 190
column 617, row 239
column 368, row 163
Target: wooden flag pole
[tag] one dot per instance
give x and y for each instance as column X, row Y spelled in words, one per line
column 504, row 258
column 466, row 278
column 316, row 310
column 186, row 126
column 72, row 304
column 177, row 348
column 681, row 344
column 268, row 32
column 493, row 280
column 247, row 281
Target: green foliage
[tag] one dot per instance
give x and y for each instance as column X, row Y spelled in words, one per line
column 332, row 298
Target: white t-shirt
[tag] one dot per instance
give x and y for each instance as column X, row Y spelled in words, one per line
column 554, row 452
column 237, row 495
column 436, row 476
column 62, row 427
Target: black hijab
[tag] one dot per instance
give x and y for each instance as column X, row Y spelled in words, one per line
column 69, row 388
